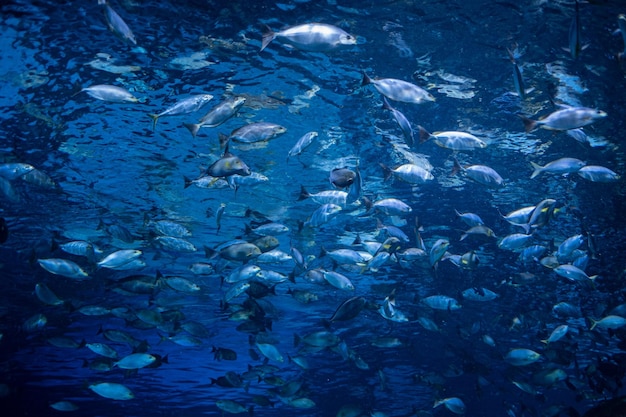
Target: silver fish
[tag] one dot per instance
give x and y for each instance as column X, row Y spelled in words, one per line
column 398, row 90
column 316, row 37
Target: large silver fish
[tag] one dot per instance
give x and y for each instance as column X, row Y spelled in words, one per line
column 316, row 37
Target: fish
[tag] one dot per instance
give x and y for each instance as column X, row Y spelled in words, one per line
column 116, row 23
column 119, row 258
column 302, row 143
column 575, row 43
column 558, row 166
column 14, row 170
column 482, row 174
column 228, row 165
column 398, row 90
column 313, row 37
column 337, row 197
column 596, row 173
column 217, row 115
column 253, row 133
column 403, row 122
column 342, row 177
column 112, row 93
column 135, row 361
column 389, row 206
column 63, row 267
column 112, row 390
column 454, row 404
column 322, row 215
column 409, row 173
column 185, row 106
column 521, row 356
column 518, row 79
column 456, row 141
column 565, row 119
column 621, row 22
column 441, row 302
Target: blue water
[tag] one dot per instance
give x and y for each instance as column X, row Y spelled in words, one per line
column 111, row 169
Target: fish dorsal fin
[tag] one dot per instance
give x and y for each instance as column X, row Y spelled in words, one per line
column 226, row 153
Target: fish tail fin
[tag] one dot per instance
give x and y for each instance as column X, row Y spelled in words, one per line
column 154, row 118
column 538, row 169
column 424, row 134
column 304, row 194
column 387, row 171
column 456, row 168
column 529, row 124
column 223, row 140
column 386, row 105
column 193, row 128
column 188, row 181
column 594, row 323
column 366, row 80
column 268, row 37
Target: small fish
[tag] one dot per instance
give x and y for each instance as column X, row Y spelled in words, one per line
column 342, row 177
column 63, row 267
column 119, row 258
column 112, row 391
column 315, row 37
column 337, row 197
column 187, row 105
column 135, row 361
column 110, row 93
column 609, row 322
column 482, row 174
column 441, row 302
column 456, row 141
column 322, row 215
column 398, row 90
column 454, row 404
column 14, row 170
column 302, row 143
column 228, row 165
column 521, row 357
column 596, row 173
column 403, row 122
column 116, row 23
column 409, row 173
column 253, row 133
column 518, row 80
column 217, row 115
column 565, row 119
column 621, row 22
column 575, row 44
column 558, row 166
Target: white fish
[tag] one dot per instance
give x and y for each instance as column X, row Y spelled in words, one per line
column 521, row 357
column 63, row 267
column 116, row 23
column 119, row 258
column 187, row 105
column 316, row 37
column 456, row 141
column 402, row 121
column 110, row 93
column 399, row 90
column 596, row 173
column 13, row 170
column 302, row 144
column 454, row 404
column 482, row 174
column 112, row 391
column 558, row 166
column 565, row 119
column 409, row 173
